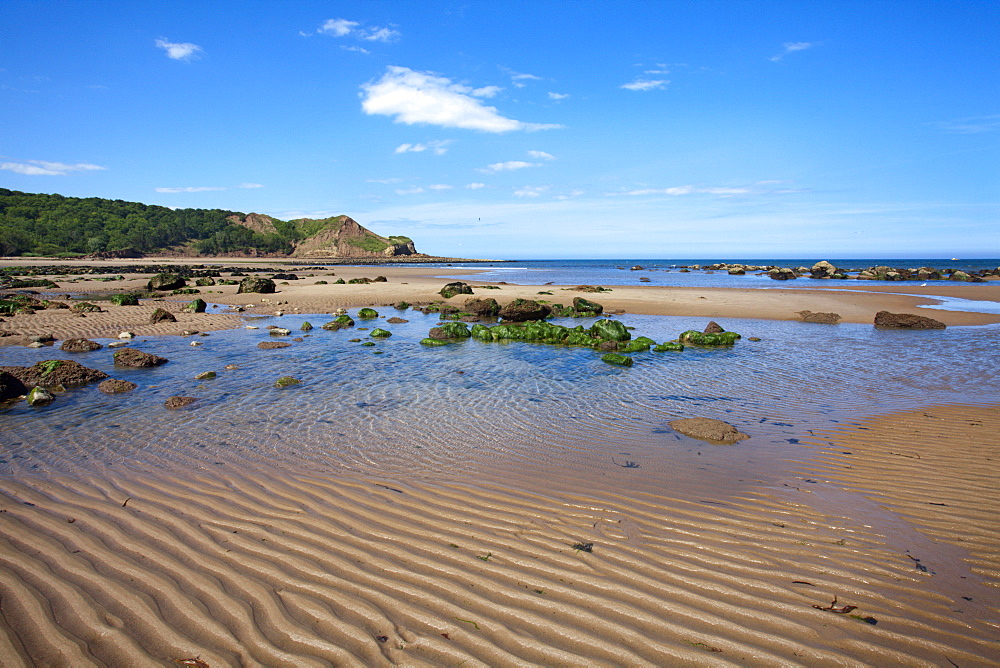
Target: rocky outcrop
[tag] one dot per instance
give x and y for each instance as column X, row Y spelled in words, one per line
column 707, row 429
column 822, row 318
column 166, row 282
column 906, row 321
column 255, row 222
column 782, row 274
column 257, row 285
column 342, row 236
column 481, row 307
column 51, row 373
column 521, row 310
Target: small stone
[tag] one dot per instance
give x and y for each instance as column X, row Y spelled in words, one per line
column 179, row 402
column 231, row 367
column 279, row 331
column 126, row 335
column 205, row 375
column 39, row 396
column 117, row 344
column 36, row 344
column 115, row 386
column 195, row 343
column 271, row 345
column 708, row 429
column 286, row 381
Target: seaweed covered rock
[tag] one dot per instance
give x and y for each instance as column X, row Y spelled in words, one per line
column 306, row 326
column 617, row 359
column 85, row 307
column 638, row 345
column 256, row 284
column 137, row 358
column 205, row 281
column 450, row 330
column 367, row 314
column 166, row 282
column 522, row 310
column 585, row 307
column 456, row 288
column 696, row 338
column 708, row 429
column 379, row 333
column 344, row 320
column 906, row 321
column 39, row 396
column 610, row 330
column 124, row 299
column 197, row 306
column 436, row 342
column 286, row 381
column 116, row 386
column 669, row 347
column 481, row 307
column 161, row 315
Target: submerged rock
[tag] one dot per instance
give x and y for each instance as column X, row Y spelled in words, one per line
column 906, row 321
column 286, row 381
column 174, row 403
column 617, row 359
column 697, row 338
column 450, row 330
column 205, row 375
column 116, row 386
column 51, row 373
column 610, row 330
column 708, row 429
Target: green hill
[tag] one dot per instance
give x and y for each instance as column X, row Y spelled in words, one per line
column 53, row 225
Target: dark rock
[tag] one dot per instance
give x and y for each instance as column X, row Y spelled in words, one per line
column 11, row 386
column 822, row 318
column 396, row 321
column 137, row 358
column 205, row 281
column 166, row 282
column 179, row 402
column 271, row 345
column 197, row 306
column 707, row 429
column 521, row 310
column 256, row 284
column 713, row 328
column 161, row 315
column 906, row 321
column 823, row 269
column 586, row 307
column 481, row 307
column 124, row 300
column 115, row 386
column 50, row 373
column 608, row 346
column 285, row 277
column 456, row 288
column 79, row 345
column 782, row 274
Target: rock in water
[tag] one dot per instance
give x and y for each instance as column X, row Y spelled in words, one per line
column 822, row 318
column 115, row 386
column 79, row 345
column 39, row 396
column 610, row 330
column 617, row 359
column 367, row 314
column 713, row 328
column 707, row 429
column 286, row 381
column 197, row 306
column 271, row 345
column 521, row 310
column 179, row 402
column 137, row 358
column 906, row 321
column 481, row 307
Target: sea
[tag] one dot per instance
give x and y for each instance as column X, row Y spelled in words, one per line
column 396, row 407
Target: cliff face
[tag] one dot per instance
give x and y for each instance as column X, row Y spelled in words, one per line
column 255, row 222
column 344, row 237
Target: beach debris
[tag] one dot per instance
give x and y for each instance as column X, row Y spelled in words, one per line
column 702, row 645
column 161, row 315
column 393, row 489
column 137, row 358
column 179, row 402
column 35, row 344
column 382, row 638
column 629, row 464
column 271, row 345
column 116, row 386
column 873, row 622
column 467, row 621
column 194, row 662
column 583, row 547
column 820, row 318
column 117, row 344
column 906, row 321
column 708, row 429
column 252, row 327
column 486, row 558
column 919, row 566
column 286, row 381
column 842, row 610
column 79, row 345
column 231, row 367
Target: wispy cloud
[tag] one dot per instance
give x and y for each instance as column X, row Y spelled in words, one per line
column 250, row 185
column 414, row 97
column 792, row 47
column 508, row 166
column 184, row 51
column 409, row 191
column 475, row 186
column 530, row 191
column 970, row 125
column 558, row 96
column 437, row 147
column 518, row 78
column 440, row 186
column 541, row 155
column 384, row 181
column 46, row 168
column 345, row 28
column 757, row 188
column 641, row 84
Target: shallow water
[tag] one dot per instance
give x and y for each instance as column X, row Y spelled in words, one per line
column 399, row 407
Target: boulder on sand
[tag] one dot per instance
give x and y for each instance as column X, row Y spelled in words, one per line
column 79, row 345
column 906, row 321
column 822, row 318
column 707, row 429
column 161, row 315
column 256, row 284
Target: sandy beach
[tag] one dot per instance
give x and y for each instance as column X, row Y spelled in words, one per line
column 879, row 549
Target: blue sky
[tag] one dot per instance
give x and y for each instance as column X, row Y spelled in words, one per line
column 527, row 129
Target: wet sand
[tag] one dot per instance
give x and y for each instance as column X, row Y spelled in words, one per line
column 896, row 515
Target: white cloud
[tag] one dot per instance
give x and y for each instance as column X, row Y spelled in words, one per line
column 475, row 186
column 530, row 191
column 356, row 49
column 179, row 50
column 422, row 97
column 409, row 191
column 440, row 186
column 46, row 168
column 486, row 91
column 190, row 189
column 518, row 77
column 384, row 181
column 757, row 188
column 558, row 96
column 508, row 166
column 541, row 155
column 970, row 125
column 345, row 28
column 645, row 84
column 251, row 185
column 792, row 47
column 437, row 146
column 337, row 27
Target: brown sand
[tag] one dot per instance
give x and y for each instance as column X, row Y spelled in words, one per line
column 259, row 566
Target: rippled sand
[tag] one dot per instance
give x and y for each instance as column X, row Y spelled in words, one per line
column 252, row 566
